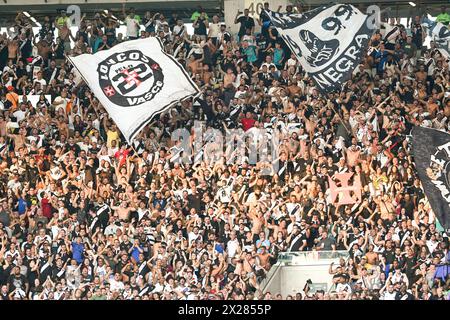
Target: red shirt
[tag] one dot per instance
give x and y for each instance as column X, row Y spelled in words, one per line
column 247, row 123
column 46, row 208
column 121, row 155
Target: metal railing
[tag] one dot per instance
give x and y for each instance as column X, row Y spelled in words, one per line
column 296, row 258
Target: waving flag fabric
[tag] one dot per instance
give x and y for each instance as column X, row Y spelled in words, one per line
column 329, row 41
column 431, row 150
column 134, row 81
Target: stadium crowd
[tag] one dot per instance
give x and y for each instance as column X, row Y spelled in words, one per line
column 85, row 216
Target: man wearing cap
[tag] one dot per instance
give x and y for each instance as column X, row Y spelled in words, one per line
column 62, row 19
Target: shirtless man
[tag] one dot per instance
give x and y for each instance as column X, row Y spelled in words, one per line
column 13, row 48
column 263, row 257
column 123, row 211
column 294, row 144
column 44, row 46
column 65, row 35
column 257, row 221
column 421, row 75
column 353, row 155
column 62, row 126
column 372, row 257
column 2, row 126
column 293, row 89
column 19, row 139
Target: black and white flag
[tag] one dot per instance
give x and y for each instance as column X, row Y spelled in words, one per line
column 138, row 146
column 329, row 41
column 431, row 150
column 440, row 34
column 134, row 81
column 436, row 29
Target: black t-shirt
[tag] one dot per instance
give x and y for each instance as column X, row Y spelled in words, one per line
column 405, row 296
column 267, row 78
column 48, row 74
column 416, row 31
column 17, row 281
column 246, row 23
column 407, row 95
column 32, row 174
column 389, row 255
column 126, row 246
column 263, row 16
column 438, row 87
column 26, row 49
column 228, row 64
column 417, row 192
column 59, row 51
column 201, row 29
column 409, row 208
column 194, row 201
column 261, row 42
column 75, row 148
column 20, row 72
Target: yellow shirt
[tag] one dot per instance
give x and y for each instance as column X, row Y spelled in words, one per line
column 61, row 21
column 112, row 135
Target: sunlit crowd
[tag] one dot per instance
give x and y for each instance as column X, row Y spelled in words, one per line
column 86, row 216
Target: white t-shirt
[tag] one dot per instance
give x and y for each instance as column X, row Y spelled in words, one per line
column 132, row 26
column 341, row 287
column 61, row 105
column 232, row 247
column 42, row 81
column 193, row 237
column 389, row 296
column 214, row 29
column 179, row 30
column 20, row 115
column 292, row 62
column 7, row 69
column 249, row 39
column 116, row 285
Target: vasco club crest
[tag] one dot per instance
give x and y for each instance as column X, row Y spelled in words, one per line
column 130, row 78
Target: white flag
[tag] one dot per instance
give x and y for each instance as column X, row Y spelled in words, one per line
column 437, row 29
column 329, row 41
column 134, row 81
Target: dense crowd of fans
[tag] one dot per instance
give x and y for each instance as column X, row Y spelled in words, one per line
column 83, row 215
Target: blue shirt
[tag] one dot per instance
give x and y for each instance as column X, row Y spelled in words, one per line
column 219, row 248
column 265, row 243
column 135, row 254
column 21, row 206
column 382, row 55
column 77, row 252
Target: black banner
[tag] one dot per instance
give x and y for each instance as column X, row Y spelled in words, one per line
column 431, row 150
column 329, row 42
